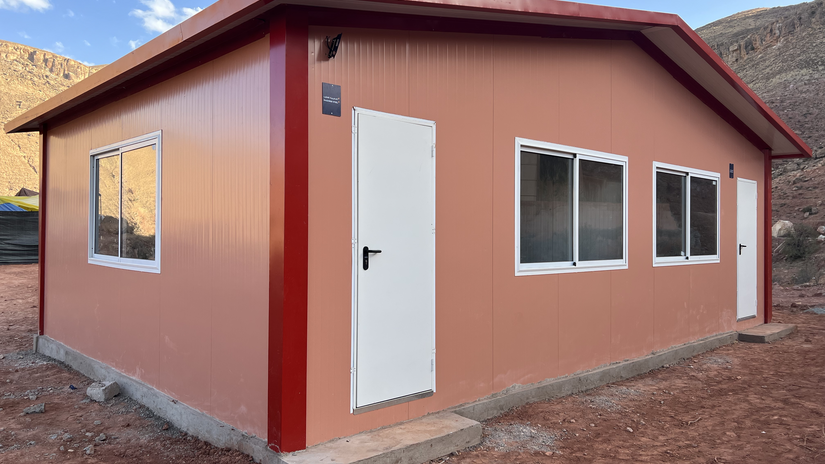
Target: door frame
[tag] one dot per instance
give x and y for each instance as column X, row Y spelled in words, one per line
column 736, row 254
column 356, row 111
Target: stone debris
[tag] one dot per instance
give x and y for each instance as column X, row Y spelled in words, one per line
column 67, row 436
column 36, row 409
column 629, row 430
column 103, row 391
column 89, row 449
column 101, row 437
column 98, row 422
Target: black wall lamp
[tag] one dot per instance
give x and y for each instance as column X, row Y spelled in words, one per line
column 332, row 45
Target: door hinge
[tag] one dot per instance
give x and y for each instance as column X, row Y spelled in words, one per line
column 432, row 365
column 354, row 129
column 354, row 243
column 432, row 151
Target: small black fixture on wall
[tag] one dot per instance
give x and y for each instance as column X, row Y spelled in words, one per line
column 332, row 45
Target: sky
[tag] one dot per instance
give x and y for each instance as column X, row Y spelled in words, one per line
column 101, row 31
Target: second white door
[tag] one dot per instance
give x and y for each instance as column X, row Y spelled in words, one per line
column 746, row 262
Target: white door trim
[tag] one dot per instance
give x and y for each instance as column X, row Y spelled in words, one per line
column 354, row 253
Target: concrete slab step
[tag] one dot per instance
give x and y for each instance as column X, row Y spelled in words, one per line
column 766, row 333
column 412, row 442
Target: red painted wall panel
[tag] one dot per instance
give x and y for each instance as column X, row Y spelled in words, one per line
column 198, row 330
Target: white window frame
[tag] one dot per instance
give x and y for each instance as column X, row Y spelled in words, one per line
column 119, row 148
column 688, row 173
column 576, row 154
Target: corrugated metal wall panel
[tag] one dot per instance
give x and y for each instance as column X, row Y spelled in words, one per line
column 196, row 330
column 494, row 329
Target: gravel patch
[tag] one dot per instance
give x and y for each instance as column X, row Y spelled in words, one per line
column 716, row 360
column 518, row 438
column 601, row 402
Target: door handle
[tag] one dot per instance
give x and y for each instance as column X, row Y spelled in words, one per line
column 740, row 248
column 367, row 253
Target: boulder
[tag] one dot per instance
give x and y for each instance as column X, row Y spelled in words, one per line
column 821, row 230
column 782, row 228
column 103, row 391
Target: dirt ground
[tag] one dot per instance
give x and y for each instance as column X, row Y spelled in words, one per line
column 739, row 403
column 119, row 431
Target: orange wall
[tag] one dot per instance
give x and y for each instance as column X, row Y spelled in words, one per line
column 493, row 329
column 197, row 330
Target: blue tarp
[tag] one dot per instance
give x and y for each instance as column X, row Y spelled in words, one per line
column 10, row 207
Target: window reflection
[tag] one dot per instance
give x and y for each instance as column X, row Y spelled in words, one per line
column 546, row 208
column 601, row 211
column 139, row 203
column 107, row 205
column 670, row 215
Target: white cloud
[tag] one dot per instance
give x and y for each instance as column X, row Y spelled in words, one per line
column 58, row 46
column 39, row 5
column 161, row 15
column 69, row 14
column 24, row 35
column 87, row 43
column 134, row 44
column 114, row 41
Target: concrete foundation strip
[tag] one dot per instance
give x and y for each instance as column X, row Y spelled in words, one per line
column 412, row 442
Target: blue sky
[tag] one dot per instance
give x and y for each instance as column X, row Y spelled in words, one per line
column 101, row 31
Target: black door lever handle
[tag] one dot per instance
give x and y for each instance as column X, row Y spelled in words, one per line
column 367, row 253
column 740, row 248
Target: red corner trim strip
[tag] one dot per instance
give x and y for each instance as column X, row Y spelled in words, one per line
column 768, row 186
column 41, row 247
column 289, row 152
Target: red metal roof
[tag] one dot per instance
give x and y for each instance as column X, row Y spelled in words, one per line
column 668, row 32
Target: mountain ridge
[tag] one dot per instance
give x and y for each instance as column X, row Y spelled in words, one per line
column 28, row 77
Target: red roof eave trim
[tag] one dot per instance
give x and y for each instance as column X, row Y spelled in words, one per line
column 553, row 9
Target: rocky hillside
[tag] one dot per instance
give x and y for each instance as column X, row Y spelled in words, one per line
column 780, row 54
column 28, row 76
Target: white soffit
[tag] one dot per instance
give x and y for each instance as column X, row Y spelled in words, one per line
column 702, row 72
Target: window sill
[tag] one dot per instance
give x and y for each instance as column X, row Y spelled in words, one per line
column 571, row 269
column 686, row 262
column 153, row 268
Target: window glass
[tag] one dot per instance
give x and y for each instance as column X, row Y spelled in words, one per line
column 601, row 211
column 139, row 189
column 546, row 208
column 670, row 215
column 703, row 218
column 107, row 203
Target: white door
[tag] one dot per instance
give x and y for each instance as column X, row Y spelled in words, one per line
column 746, row 233
column 394, row 259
